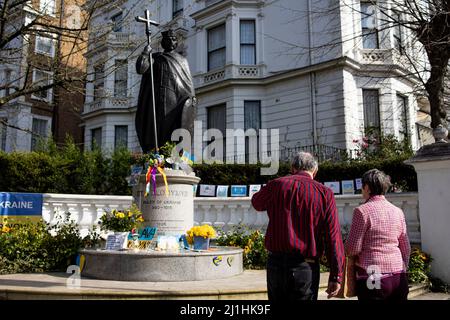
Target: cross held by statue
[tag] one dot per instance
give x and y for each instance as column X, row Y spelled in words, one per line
column 148, row 24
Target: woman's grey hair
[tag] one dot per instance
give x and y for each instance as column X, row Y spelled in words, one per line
column 304, row 161
column 378, row 182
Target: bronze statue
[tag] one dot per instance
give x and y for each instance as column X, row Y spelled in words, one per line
column 174, row 96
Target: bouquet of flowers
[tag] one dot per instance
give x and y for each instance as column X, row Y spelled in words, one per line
column 205, row 231
column 121, row 221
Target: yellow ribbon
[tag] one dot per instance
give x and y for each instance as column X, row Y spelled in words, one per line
column 161, row 170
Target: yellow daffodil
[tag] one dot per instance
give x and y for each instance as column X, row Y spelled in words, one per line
column 123, row 220
column 205, row 231
column 6, row 229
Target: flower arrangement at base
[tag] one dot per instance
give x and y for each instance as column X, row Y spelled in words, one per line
column 121, row 221
column 199, row 236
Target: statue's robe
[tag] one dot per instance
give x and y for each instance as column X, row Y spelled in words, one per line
column 174, row 91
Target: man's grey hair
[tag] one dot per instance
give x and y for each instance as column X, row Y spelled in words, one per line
column 304, row 161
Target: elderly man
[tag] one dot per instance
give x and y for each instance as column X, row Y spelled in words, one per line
column 303, row 221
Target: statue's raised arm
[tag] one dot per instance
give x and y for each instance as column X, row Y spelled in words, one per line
column 143, row 61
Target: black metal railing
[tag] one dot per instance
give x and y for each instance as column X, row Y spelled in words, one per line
column 320, row 151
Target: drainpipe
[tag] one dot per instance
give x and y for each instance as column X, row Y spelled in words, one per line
column 312, row 79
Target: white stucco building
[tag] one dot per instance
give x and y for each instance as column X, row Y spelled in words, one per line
column 320, row 71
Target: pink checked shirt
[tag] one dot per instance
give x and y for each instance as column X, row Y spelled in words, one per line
column 378, row 236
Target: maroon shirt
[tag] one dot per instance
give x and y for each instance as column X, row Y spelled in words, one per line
column 302, row 218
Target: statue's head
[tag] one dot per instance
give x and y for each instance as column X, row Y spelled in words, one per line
column 169, row 40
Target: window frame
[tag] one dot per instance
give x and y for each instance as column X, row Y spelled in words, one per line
column 176, row 10
column 117, row 24
column 92, row 137
column 208, row 126
column 53, row 47
column 398, row 28
column 253, row 44
column 224, row 48
column 247, row 139
column 365, row 31
column 120, row 63
column 34, row 139
column 259, row 112
column 116, row 144
column 96, row 82
column 404, row 114
column 49, row 97
column 378, row 111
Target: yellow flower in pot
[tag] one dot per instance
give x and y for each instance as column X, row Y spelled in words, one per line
column 121, row 221
column 199, row 236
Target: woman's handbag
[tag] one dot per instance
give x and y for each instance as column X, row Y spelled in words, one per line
column 348, row 288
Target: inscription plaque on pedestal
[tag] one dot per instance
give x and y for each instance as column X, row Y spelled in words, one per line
column 172, row 214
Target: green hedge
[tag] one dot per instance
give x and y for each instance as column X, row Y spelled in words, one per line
column 69, row 170
column 402, row 176
column 66, row 170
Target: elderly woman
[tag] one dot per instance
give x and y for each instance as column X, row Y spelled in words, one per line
column 379, row 243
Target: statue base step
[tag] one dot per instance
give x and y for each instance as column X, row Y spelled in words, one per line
column 182, row 265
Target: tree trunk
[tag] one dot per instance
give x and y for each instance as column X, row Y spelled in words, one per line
column 435, row 86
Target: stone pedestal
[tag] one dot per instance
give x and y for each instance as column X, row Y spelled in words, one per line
column 432, row 164
column 172, row 214
column 183, row 265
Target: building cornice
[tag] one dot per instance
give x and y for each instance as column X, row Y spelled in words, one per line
column 225, row 4
column 103, row 111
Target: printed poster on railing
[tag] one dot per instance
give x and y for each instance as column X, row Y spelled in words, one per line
column 17, row 208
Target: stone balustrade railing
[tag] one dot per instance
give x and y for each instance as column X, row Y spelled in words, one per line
column 383, row 56
column 221, row 212
column 229, row 72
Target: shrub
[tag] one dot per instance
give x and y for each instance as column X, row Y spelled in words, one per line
column 437, row 285
column 119, row 169
column 419, row 266
column 65, row 170
column 39, row 247
column 252, row 241
column 384, row 146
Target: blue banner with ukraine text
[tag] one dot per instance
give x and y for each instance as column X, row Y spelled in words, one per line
column 20, row 204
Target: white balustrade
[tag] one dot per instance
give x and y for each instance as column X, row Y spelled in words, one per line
column 85, row 210
column 248, row 71
column 214, row 76
column 224, row 213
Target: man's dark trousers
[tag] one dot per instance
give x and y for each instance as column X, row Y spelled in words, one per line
column 290, row 277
